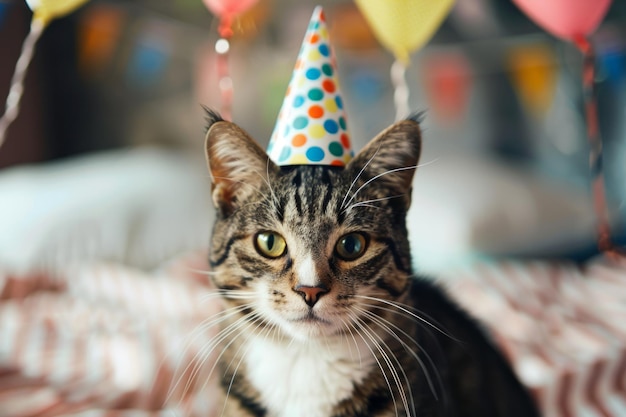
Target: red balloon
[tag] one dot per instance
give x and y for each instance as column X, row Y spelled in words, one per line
column 228, row 8
column 567, row 19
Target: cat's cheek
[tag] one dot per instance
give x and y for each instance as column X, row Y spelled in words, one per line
column 271, row 302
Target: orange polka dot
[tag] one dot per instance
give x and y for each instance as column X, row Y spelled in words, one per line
column 328, row 86
column 298, row 63
column 345, row 141
column 298, row 140
column 314, row 38
column 337, row 163
column 322, row 16
column 316, row 112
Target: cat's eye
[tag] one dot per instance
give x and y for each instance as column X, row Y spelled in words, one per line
column 351, row 246
column 270, row 244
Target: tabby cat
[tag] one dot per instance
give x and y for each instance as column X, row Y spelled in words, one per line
column 324, row 315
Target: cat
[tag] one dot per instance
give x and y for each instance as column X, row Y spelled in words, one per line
column 323, row 315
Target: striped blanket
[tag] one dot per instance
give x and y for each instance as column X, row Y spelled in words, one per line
column 104, row 340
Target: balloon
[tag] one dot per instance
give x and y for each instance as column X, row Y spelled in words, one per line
column 403, row 26
column 47, row 10
column 228, row 8
column 567, row 19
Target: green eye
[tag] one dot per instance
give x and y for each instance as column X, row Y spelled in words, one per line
column 351, row 246
column 270, row 244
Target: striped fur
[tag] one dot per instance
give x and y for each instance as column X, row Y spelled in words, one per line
column 378, row 341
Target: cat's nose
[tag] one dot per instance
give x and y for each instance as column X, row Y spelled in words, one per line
column 311, row 294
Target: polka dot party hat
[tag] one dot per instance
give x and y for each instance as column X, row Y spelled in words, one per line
column 311, row 126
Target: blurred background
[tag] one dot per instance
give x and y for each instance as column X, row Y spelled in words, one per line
column 105, row 161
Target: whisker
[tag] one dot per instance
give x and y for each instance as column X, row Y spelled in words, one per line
column 231, row 294
column 366, row 203
column 248, row 346
column 219, row 337
column 250, row 322
column 428, row 357
column 391, row 171
column 387, row 357
column 212, row 321
column 356, row 345
column 343, row 202
column 201, row 271
column 382, row 325
column 400, row 307
column 391, row 329
column 357, row 321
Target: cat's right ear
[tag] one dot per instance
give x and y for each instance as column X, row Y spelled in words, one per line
column 391, row 158
column 237, row 164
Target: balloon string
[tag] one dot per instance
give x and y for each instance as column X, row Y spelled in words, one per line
column 400, row 89
column 222, row 48
column 17, row 82
column 595, row 147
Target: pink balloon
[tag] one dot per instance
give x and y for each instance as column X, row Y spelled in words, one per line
column 228, row 8
column 567, row 19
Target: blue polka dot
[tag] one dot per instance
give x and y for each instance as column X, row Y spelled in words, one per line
column 284, row 154
column 298, row 101
column 300, row 122
column 339, row 102
column 331, row 126
column 287, row 129
column 324, row 49
column 313, row 73
column 315, row 154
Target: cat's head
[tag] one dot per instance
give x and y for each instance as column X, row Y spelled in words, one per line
column 306, row 249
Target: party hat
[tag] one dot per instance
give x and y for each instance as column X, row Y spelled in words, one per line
column 311, row 125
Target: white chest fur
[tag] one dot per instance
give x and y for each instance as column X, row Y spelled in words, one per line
column 306, row 379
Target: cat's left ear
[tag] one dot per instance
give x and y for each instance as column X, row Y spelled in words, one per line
column 390, row 159
column 237, row 164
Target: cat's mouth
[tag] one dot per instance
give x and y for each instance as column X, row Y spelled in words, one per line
column 311, row 318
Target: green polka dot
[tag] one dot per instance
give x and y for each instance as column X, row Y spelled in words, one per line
column 335, row 148
column 315, row 94
column 327, row 69
column 342, row 123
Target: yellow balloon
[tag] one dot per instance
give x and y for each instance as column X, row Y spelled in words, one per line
column 403, row 26
column 47, row 10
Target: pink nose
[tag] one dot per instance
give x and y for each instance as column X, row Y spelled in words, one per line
column 311, row 294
